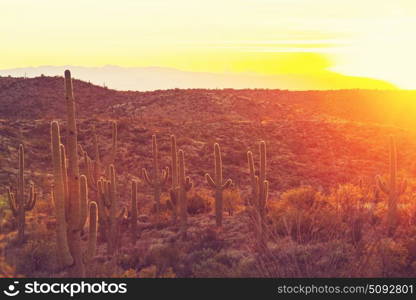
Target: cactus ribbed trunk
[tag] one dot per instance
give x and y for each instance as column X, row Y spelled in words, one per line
column 59, row 192
column 73, row 217
column 182, row 193
column 175, row 181
column 21, row 198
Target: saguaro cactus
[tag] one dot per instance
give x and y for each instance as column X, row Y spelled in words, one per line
column 260, row 189
column 158, row 180
column 18, row 201
column 218, row 184
column 175, row 181
column 70, row 189
column 185, row 184
column 67, row 254
column 109, row 210
column 394, row 188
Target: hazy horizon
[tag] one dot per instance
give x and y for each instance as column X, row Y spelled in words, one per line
column 156, row 77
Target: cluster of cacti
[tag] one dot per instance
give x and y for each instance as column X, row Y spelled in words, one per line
column 393, row 188
column 70, row 193
column 18, row 201
column 110, row 213
column 158, row 179
column 218, row 184
column 260, row 190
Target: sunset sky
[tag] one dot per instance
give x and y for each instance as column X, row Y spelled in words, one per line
column 366, row 38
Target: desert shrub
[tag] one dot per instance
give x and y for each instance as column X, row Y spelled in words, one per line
column 7, row 220
column 225, row 263
column 36, row 257
column 163, row 257
column 210, row 268
column 232, row 200
column 129, row 260
column 393, row 258
column 354, row 207
column 152, row 272
column 148, row 272
column 322, row 259
column 304, row 214
column 198, row 204
column 130, row 273
column 208, row 239
column 6, row 271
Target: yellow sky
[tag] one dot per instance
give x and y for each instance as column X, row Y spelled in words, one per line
column 369, row 38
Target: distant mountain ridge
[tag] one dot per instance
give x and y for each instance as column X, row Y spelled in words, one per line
column 156, row 78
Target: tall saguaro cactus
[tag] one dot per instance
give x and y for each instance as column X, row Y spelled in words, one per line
column 393, row 188
column 185, row 184
column 19, row 202
column 158, row 179
column 260, row 189
column 70, row 190
column 218, row 184
column 175, row 180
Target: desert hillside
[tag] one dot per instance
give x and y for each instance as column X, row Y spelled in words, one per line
column 316, row 141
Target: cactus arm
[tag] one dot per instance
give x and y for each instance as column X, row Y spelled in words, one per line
column 147, row 178
column 31, row 200
column 226, row 184
column 12, row 201
column 210, row 181
column 217, row 164
column 165, row 176
column 83, row 201
column 265, row 192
